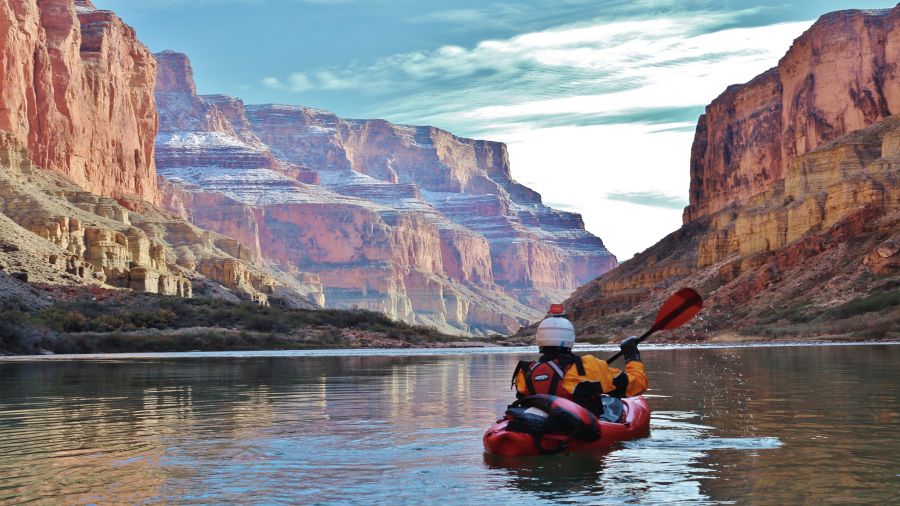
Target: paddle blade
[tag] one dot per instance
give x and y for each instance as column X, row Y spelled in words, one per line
column 678, row 309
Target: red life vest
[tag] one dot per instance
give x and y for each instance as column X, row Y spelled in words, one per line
column 545, row 375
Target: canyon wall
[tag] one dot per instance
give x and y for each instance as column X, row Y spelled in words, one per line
column 467, row 182
column 415, row 222
column 796, row 166
column 78, row 185
column 76, row 88
column 841, row 75
column 83, row 238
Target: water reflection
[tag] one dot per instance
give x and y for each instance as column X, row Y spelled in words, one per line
column 727, row 424
column 558, row 478
column 666, row 468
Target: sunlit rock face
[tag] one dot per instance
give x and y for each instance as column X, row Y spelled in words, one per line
column 467, row 183
column 64, row 235
column 794, row 184
column 839, row 76
column 76, row 97
column 76, row 88
column 412, row 221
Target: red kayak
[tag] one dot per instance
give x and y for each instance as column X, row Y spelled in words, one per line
column 500, row 439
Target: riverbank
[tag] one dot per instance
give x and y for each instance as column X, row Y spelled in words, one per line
column 437, row 351
column 119, row 322
column 127, row 323
column 723, row 338
column 218, row 342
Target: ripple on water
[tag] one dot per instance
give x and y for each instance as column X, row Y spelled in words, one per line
column 390, row 429
column 666, row 468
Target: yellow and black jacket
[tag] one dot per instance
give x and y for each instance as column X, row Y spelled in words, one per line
column 581, row 379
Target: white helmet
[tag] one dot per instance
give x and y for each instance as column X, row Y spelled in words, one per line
column 556, row 331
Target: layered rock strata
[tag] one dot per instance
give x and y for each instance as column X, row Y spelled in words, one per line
column 76, row 97
column 795, row 167
column 90, row 239
column 467, row 182
column 76, row 88
column 412, row 221
column 841, row 75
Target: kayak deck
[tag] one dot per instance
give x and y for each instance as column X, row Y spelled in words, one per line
column 500, row 441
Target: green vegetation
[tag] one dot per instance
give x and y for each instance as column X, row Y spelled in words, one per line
column 855, row 327
column 871, row 316
column 156, row 323
column 794, row 313
column 869, row 304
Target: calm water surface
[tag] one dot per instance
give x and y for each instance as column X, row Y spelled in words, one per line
column 751, row 425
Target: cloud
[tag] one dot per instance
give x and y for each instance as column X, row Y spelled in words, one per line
column 599, row 115
column 453, row 16
column 651, row 199
column 565, row 206
column 537, row 15
column 683, row 117
column 273, row 83
column 653, row 70
column 492, row 16
column 299, row 82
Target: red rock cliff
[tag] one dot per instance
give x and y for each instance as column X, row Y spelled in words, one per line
column 841, row 75
column 795, row 195
column 412, row 221
column 533, row 247
column 76, row 88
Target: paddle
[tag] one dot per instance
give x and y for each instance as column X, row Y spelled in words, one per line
column 675, row 312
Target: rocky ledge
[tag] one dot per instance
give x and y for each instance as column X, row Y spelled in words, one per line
column 56, row 234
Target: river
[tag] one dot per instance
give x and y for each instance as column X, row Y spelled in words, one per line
column 761, row 425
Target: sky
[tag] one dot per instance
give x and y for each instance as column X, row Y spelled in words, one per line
column 597, row 100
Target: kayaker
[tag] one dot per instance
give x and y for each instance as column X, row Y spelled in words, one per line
column 582, row 379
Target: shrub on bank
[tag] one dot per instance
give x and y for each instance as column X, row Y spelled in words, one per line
column 19, row 335
column 868, row 304
column 860, row 326
column 144, row 322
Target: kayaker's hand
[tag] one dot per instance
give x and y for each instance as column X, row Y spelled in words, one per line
column 629, row 349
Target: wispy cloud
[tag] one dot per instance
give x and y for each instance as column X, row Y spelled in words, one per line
column 609, row 103
column 321, row 80
column 651, row 199
column 491, row 16
column 565, row 206
column 537, row 15
column 596, row 73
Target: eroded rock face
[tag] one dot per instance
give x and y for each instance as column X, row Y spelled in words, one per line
column 77, row 89
column 820, row 189
column 797, row 167
column 76, row 97
column 467, row 182
column 107, row 248
column 823, row 189
column 411, row 221
column 841, row 75
column 90, row 239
